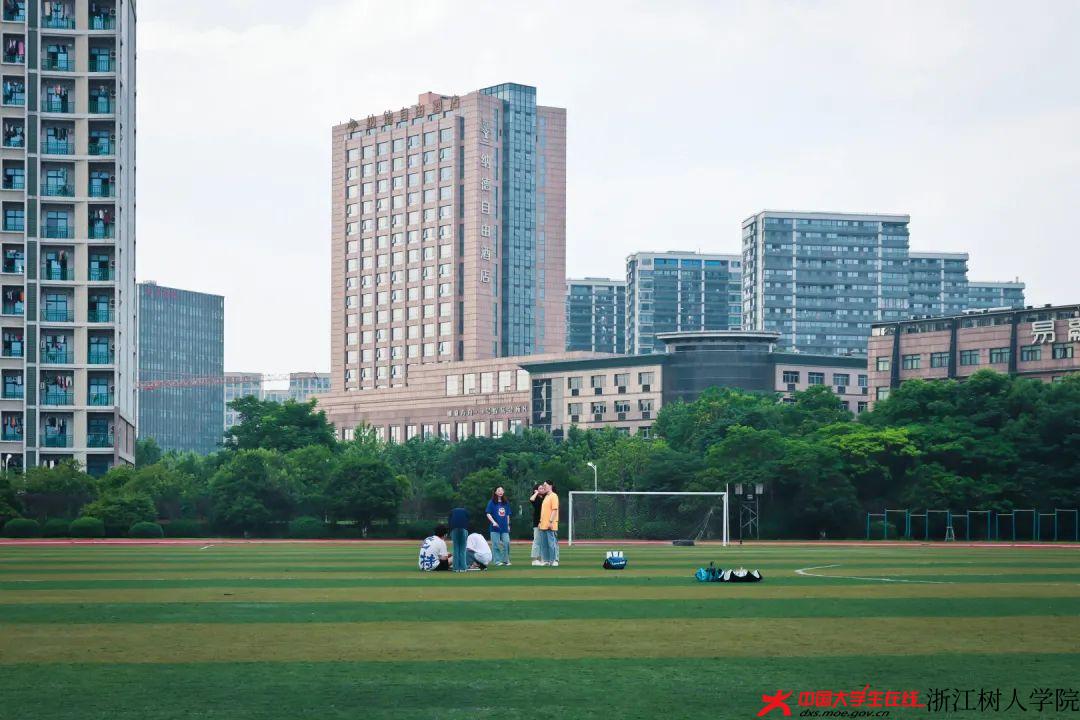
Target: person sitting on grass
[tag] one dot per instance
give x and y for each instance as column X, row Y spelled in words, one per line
column 433, row 554
column 477, row 552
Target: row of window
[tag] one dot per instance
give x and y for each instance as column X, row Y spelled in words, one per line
column 483, row 383
column 379, row 149
column 398, row 182
column 997, row 356
column 450, row 432
column 621, row 407
column 818, row 378
column 619, row 380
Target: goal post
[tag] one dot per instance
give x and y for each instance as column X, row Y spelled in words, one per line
column 628, row 514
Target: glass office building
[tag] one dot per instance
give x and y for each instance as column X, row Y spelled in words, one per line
column 821, row 279
column 181, row 361
column 987, row 295
column 680, row 292
column 239, row 385
column 596, row 315
column 937, row 283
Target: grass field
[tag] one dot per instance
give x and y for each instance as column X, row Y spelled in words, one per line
column 292, row 630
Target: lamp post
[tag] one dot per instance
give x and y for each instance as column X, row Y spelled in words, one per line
column 595, row 486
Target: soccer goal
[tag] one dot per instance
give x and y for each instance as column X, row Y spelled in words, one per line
column 599, row 515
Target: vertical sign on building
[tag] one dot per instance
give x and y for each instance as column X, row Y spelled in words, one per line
column 488, row 233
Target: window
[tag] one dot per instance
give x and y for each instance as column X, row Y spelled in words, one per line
column 912, row 362
column 469, row 385
column 862, row 406
column 645, row 378
column 453, row 384
column 1030, row 353
column 1000, row 355
column 622, row 379
column 487, row 382
column 598, row 408
column 815, row 378
column 1062, row 352
column 883, row 364
column 791, row 376
column 939, row 359
column 622, row 406
column 522, row 380
column 597, row 381
column 841, row 379
column 969, row 357
column 573, row 409
column 882, row 393
column 506, row 377
column 573, row 383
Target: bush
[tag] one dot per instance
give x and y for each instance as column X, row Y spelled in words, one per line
column 306, row 528
column 183, row 528
column 661, row 530
column 56, row 527
column 146, row 530
column 21, row 528
column 87, row 527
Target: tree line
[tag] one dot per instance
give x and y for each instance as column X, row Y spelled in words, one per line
column 993, row 442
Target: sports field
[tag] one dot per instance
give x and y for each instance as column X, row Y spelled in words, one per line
column 294, row 630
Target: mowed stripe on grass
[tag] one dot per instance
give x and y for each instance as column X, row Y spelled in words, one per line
column 417, row 641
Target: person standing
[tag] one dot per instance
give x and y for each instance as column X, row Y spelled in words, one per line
column 549, row 525
column 537, row 502
column 498, row 514
column 459, row 534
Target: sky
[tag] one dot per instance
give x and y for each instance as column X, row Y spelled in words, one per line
column 683, row 118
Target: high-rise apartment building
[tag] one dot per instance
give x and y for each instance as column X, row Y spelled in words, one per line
column 821, row 279
column 239, row 385
column 596, row 315
column 937, row 283
column 181, row 347
column 70, row 353
column 448, row 234
column 680, row 292
column 302, row 385
column 986, row 295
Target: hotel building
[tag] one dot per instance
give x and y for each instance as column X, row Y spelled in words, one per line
column 181, row 337
column 1035, row 342
column 70, row 352
column 448, row 235
column 680, row 292
column 596, row 315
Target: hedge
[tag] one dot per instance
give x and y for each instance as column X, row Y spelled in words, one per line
column 21, row 528
column 146, row 530
column 56, row 527
column 184, row 528
column 305, row 528
column 87, row 527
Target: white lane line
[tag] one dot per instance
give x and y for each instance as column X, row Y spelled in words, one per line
column 206, row 547
column 806, row 573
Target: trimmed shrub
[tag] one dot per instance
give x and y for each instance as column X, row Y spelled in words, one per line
column 87, row 527
column 184, row 528
column 306, row 528
column 56, row 527
column 21, row 528
column 146, row 530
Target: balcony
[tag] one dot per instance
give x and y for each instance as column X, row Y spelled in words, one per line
column 55, row 440
column 98, row 274
column 100, row 146
column 53, row 272
column 99, row 315
column 14, row 182
column 101, row 189
column 14, row 224
column 57, row 147
column 100, row 399
column 12, row 308
column 99, row 440
column 12, row 434
column 59, row 63
column 15, row 12
column 102, row 21
column 13, row 392
column 100, row 356
column 13, row 138
column 14, row 97
column 102, row 63
column 53, row 356
column 57, row 397
column 57, row 315
column 13, row 267
column 57, row 232
column 57, row 105
column 57, row 189
column 101, row 230
column 15, row 58
column 101, row 105
column 58, row 22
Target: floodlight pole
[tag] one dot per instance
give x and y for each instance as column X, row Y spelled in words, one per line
column 594, row 476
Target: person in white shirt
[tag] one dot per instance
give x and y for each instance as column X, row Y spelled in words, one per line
column 433, row 553
column 477, row 551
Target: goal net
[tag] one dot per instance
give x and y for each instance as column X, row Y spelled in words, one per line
column 603, row 515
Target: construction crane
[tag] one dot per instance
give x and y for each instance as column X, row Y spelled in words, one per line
column 205, row 380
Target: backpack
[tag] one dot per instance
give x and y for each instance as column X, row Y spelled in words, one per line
column 614, row 560
column 710, row 574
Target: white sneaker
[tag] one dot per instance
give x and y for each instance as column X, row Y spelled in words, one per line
column 537, row 563
column 507, row 563
column 555, row 564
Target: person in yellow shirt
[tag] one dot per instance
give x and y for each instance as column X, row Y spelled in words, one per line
column 549, row 526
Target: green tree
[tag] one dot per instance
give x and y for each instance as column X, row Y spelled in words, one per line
column 475, row 491
column 362, row 490
column 147, row 452
column 120, row 510
column 250, row 491
column 283, row 427
column 59, row 491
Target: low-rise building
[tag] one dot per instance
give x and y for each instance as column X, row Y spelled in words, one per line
column 1031, row 342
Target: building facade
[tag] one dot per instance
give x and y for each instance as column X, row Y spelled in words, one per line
column 302, row 385
column 680, row 292
column 238, row 385
column 596, row 315
column 181, row 337
column 1038, row 342
column 987, row 295
column 70, row 348
column 937, row 283
column 448, row 235
column 821, row 279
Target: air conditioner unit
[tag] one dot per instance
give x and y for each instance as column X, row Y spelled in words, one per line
column 622, row 416
column 866, row 391
column 598, row 391
column 841, row 389
column 574, row 418
column 791, row 387
column 646, row 388
column 646, row 414
column 622, row 390
column 598, row 418
column 575, row 392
